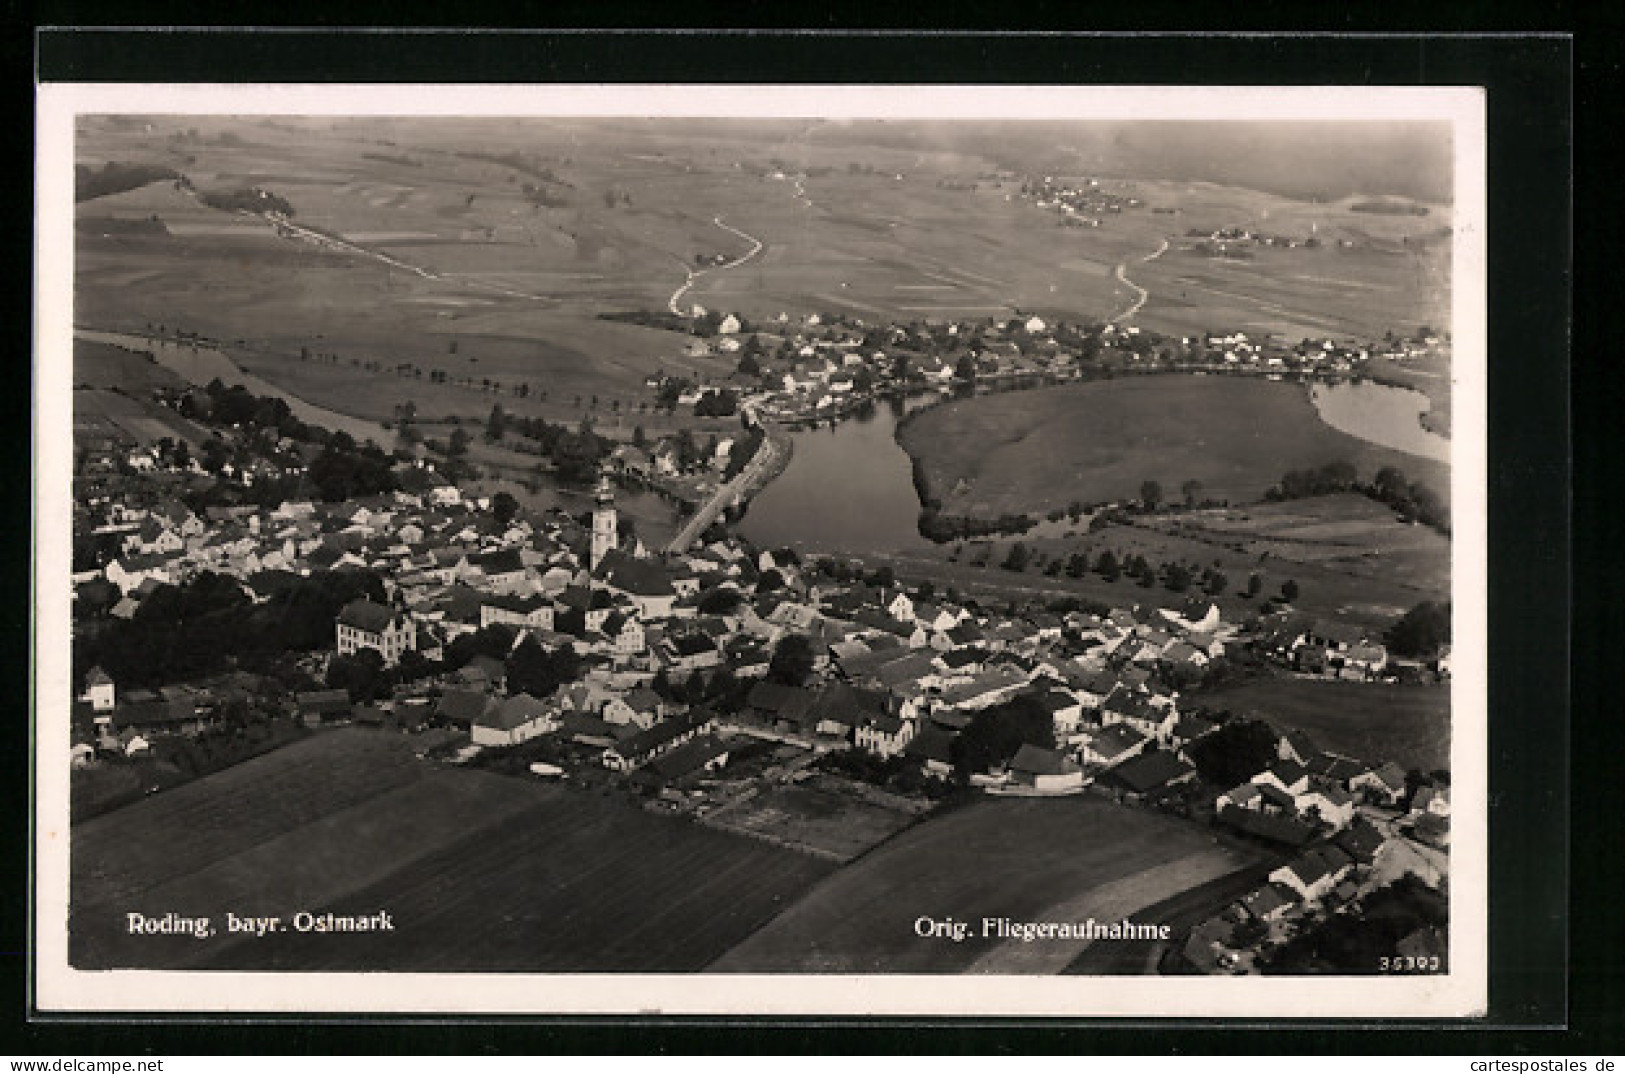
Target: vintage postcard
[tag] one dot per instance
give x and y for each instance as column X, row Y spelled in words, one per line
column 771, row 550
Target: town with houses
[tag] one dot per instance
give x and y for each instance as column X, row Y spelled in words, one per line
column 556, row 647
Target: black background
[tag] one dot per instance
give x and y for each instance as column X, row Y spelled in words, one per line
column 1531, row 118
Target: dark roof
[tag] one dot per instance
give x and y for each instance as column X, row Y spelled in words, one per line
column 1288, row 772
column 1361, row 840
column 642, row 577
column 516, row 711
column 1334, row 767
column 1116, row 738
column 1192, row 727
column 363, row 614
column 1267, row 826
column 1055, row 701
column 502, row 561
column 662, row 732
column 1268, row 899
column 461, row 706
column 1038, row 761
column 840, row 703
column 1148, row 771
column 1319, row 862
column 933, row 743
column 689, row 757
column 1275, row 795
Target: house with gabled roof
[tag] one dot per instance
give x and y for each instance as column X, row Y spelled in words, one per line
column 1312, row 874
column 883, row 734
column 663, row 737
column 1148, row 771
column 1268, row 827
column 1385, row 783
column 461, row 707
column 1044, row 770
column 362, row 624
column 512, row 721
column 1110, row 745
column 642, row 581
column 1270, row 902
column 932, row 747
column 1288, row 776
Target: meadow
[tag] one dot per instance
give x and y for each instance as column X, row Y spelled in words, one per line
column 1373, row 722
column 1038, row 450
column 1057, row 859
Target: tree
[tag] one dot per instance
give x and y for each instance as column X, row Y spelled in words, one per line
column 719, row 601
column 1017, row 558
column 459, row 443
column 1254, row 584
column 1150, row 495
column 497, row 424
column 1192, row 491
column 1422, row 631
column 1234, row 753
column 503, row 508
column 1289, row 591
column 639, row 437
column 1176, row 577
column 995, row 734
column 792, row 660
column 1106, row 566
column 965, row 368
column 360, row 673
column 1216, row 583
column 534, row 670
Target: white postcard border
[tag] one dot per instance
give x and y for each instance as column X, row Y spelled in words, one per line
column 1462, row 992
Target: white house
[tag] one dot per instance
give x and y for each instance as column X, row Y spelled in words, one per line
column 515, row 720
column 99, row 691
column 364, row 625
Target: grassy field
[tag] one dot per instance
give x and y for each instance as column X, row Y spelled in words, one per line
column 819, row 813
column 480, row 872
column 1042, row 449
column 1060, row 859
column 1374, row 722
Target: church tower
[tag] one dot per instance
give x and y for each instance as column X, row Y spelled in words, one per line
column 603, row 522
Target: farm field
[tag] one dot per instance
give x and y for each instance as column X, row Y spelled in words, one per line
column 1041, row 449
column 486, row 249
column 1374, row 722
column 102, row 365
column 1057, row 859
column 479, row 871
column 821, row 814
column 104, row 412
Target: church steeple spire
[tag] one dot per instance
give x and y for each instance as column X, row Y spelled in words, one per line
column 604, row 535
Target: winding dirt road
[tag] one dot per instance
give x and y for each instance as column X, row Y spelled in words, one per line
column 1141, row 294
column 693, row 275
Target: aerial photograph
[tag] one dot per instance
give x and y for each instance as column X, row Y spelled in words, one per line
column 738, row 546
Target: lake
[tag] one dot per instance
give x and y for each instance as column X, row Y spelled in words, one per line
column 847, row 489
column 1380, row 414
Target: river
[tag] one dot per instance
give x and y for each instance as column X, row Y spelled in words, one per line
column 200, row 365
column 1380, row 414
column 847, row 489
